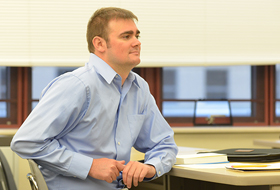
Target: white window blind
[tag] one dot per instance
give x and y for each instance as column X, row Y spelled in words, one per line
column 173, row 32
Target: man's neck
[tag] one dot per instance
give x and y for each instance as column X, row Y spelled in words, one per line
column 122, row 71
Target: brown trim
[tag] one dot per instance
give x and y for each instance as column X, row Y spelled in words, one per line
column 20, row 97
column 158, row 87
column 180, row 124
column 26, row 92
column 153, row 78
column 274, row 121
column 15, row 99
column 272, row 95
column 266, row 95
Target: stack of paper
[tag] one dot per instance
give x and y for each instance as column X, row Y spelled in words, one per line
column 203, row 158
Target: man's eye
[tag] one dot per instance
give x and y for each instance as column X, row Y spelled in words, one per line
column 126, row 37
column 138, row 37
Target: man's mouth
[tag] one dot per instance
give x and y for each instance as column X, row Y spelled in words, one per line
column 135, row 52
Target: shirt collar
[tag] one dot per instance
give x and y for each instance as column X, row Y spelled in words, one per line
column 102, row 68
column 132, row 77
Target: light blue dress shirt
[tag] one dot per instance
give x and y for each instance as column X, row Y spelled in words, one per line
column 87, row 114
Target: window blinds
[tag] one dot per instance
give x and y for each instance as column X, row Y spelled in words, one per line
column 173, row 33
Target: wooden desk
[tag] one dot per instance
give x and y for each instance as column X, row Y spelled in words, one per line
column 237, row 179
column 182, row 178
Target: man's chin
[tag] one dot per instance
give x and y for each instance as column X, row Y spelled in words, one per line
column 137, row 62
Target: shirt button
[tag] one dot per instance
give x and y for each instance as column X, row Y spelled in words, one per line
column 159, row 173
column 119, row 143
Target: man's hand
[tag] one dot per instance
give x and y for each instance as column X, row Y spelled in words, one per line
column 106, row 169
column 136, row 172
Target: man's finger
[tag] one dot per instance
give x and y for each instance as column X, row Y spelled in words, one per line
column 128, row 173
column 136, row 176
column 142, row 175
column 120, row 165
column 124, row 174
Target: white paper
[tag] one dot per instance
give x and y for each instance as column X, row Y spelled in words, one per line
column 205, row 166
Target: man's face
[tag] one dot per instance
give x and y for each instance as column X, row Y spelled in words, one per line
column 123, row 47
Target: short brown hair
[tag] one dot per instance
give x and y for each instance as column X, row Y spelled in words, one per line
column 98, row 23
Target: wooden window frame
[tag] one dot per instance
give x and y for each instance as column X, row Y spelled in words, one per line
column 262, row 84
column 15, row 118
column 21, row 92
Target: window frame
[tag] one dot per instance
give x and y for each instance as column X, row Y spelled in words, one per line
column 16, row 77
column 156, row 79
column 22, row 81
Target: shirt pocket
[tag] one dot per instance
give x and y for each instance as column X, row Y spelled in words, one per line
column 135, row 123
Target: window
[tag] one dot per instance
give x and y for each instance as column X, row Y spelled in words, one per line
column 252, row 91
column 3, row 92
column 169, row 81
column 277, row 91
column 216, row 83
column 242, row 86
column 10, row 100
column 41, row 76
column 275, row 94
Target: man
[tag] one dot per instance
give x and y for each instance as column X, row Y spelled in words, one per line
column 86, row 122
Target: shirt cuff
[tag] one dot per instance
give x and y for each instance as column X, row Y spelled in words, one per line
column 80, row 166
column 158, row 166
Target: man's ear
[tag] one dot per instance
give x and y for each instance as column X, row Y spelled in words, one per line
column 99, row 44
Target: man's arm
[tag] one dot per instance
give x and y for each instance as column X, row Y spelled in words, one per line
column 57, row 113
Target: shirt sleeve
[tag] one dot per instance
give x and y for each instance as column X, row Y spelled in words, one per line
column 156, row 139
column 61, row 107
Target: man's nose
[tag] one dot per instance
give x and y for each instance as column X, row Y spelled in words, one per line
column 137, row 42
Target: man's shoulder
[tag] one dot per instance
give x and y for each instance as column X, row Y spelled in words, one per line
column 84, row 74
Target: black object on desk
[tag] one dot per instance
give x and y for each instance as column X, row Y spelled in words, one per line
column 250, row 154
